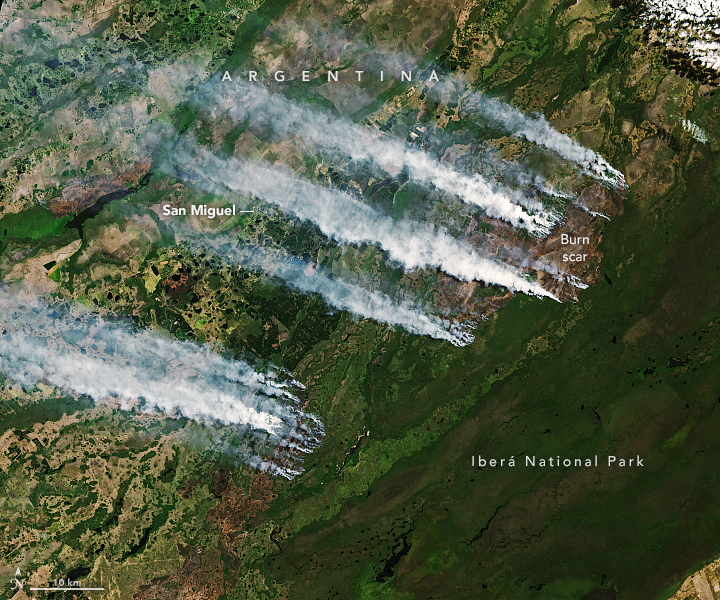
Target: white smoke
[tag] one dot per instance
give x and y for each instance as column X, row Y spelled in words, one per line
column 695, row 131
column 537, row 130
column 273, row 112
column 576, row 282
column 342, row 217
column 310, row 278
column 86, row 354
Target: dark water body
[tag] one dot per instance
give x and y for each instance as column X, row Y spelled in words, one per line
column 601, row 594
column 94, row 210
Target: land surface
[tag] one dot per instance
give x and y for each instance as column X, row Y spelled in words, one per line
column 390, row 507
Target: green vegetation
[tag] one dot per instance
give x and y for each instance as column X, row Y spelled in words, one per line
column 390, row 507
column 33, row 224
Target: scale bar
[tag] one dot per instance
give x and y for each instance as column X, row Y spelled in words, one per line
column 66, row 589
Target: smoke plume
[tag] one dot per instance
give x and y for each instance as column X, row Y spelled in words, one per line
column 537, row 130
column 310, row 278
column 342, row 217
column 87, row 354
column 273, row 112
